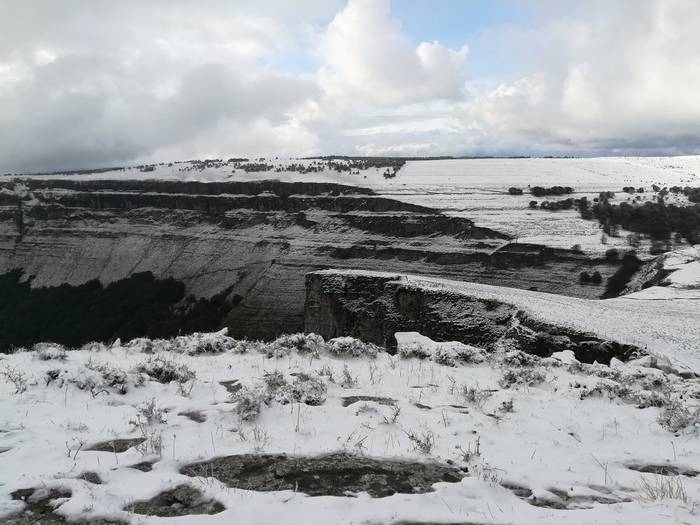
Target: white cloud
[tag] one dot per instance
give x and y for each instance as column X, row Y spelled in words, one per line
column 621, row 76
column 103, row 82
column 365, row 55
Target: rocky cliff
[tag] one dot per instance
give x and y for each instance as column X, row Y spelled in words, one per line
column 373, row 307
column 254, row 240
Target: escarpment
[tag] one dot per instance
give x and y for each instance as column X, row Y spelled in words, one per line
column 374, row 306
column 254, row 242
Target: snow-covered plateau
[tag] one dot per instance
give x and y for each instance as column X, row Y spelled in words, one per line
column 456, row 367
column 207, row 429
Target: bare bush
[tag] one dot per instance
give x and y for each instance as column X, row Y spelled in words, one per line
column 16, row 377
column 663, row 487
column 351, row 347
column 522, row 376
column 165, row 370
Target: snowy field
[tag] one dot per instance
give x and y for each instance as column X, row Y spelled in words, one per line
column 537, row 440
column 478, row 188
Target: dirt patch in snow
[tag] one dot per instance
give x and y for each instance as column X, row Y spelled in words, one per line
column 40, row 504
column 194, row 415
column 663, row 470
column 91, row 477
column 182, row 500
column 144, row 466
column 116, row 445
column 231, row 386
column 386, row 401
column 337, row 474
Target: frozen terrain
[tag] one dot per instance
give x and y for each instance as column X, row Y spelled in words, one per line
column 477, row 188
column 535, row 440
column 207, row 428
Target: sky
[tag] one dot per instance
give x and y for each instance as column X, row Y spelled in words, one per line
column 103, row 83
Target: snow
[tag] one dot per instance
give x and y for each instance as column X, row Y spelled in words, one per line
column 478, row 188
column 554, row 439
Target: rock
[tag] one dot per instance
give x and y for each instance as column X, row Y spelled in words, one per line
column 337, row 474
column 374, row 306
column 182, row 500
column 387, row 401
column 244, row 240
column 91, row 477
column 116, row 445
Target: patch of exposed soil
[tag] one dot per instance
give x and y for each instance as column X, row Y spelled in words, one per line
column 183, row 500
column 91, row 477
column 116, row 445
column 231, row 386
column 40, row 504
column 337, row 474
column 194, row 415
column 387, row 401
column 663, row 470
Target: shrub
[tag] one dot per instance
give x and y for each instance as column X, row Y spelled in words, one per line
column 676, row 416
column 302, row 343
column 515, row 191
column 423, row 442
column 249, row 402
column 522, row 376
column 94, row 377
column 166, row 370
column 308, row 390
column 16, row 377
column 351, row 347
column 50, row 352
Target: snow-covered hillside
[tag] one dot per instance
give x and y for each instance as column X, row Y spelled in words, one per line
column 476, row 188
column 535, row 440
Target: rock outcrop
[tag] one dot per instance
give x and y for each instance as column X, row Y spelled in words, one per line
column 373, row 307
column 255, row 241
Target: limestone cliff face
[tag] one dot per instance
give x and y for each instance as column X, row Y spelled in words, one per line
column 374, row 307
column 259, row 239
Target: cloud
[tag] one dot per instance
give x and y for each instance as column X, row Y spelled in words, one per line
column 108, row 83
column 366, row 55
column 621, row 76
column 101, row 83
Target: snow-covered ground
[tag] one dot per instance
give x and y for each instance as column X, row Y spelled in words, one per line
column 572, row 438
column 477, row 188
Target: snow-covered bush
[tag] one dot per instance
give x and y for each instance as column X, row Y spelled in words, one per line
column 245, row 346
column 415, row 349
column 522, row 376
column 93, row 377
column 50, row 352
column 302, row 343
column 16, row 377
column 275, row 382
column 351, row 347
column 677, row 416
column 165, row 370
column 308, row 390
column 519, row 358
column 249, row 402
column 452, row 354
column 203, row 343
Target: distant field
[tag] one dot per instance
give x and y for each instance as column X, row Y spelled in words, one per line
column 477, row 188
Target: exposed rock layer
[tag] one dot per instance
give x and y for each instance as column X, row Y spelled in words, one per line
column 255, row 239
column 374, row 307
